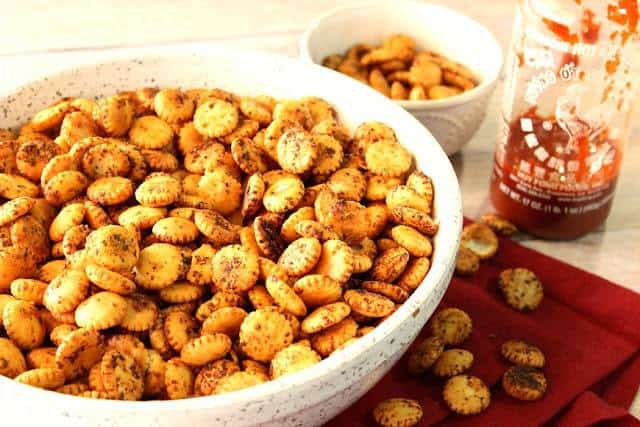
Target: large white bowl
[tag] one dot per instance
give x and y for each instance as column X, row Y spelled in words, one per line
column 312, row 396
column 453, row 121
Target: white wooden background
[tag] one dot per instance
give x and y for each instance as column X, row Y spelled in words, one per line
column 39, row 37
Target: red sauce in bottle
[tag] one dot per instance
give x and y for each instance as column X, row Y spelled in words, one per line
column 555, row 177
column 561, row 203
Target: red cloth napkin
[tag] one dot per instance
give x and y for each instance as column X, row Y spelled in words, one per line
column 588, row 328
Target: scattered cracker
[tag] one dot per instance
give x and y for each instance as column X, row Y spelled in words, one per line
column 480, row 239
column 397, row 412
column 452, row 325
column 453, row 362
column 521, row 288
column 467, row 262
column 524, row 383
column 499, row 224
column 425, row 355
column 522, row 353
column 466, row 395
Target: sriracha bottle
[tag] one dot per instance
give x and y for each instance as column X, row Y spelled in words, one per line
column 571, row 86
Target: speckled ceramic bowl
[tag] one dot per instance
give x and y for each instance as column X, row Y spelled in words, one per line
column 314, row 395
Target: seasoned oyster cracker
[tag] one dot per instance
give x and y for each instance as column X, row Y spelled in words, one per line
column 521, row 288
column 452, row 325
column 524, row 383
column 466, row 395
column 224, row 320
column 22, row 324
column 263, row 333
column 452, row 362
column 206, row 348
column 13, row 362
column 425, row 355
column 522, row 353
column 325, row 317
column 100, row 311
column 480, row 239
column 215, row 118
column 292, row 359
column 397, row 412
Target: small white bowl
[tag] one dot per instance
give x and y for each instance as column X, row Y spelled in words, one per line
column 316, row 394
column 453, row 121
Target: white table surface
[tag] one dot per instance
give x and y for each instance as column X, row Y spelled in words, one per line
column 40, row 37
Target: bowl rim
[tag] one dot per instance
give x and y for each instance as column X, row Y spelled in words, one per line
column 438, row 271
column 486, row 86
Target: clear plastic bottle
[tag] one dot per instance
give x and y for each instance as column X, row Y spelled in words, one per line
column 571, row 86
